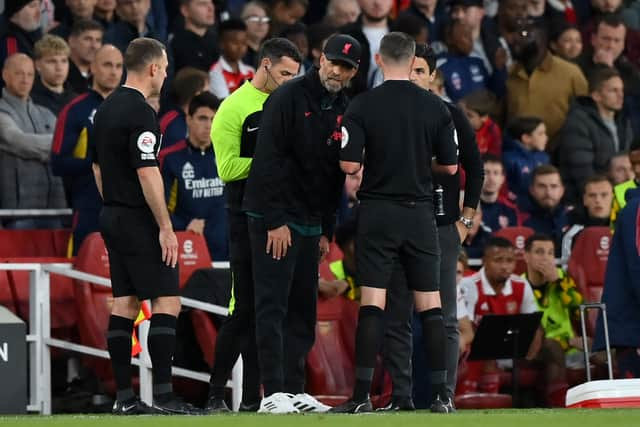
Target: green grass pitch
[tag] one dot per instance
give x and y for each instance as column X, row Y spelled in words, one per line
column 489, row 418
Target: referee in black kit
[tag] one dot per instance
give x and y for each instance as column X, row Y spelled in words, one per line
column 137, row 230
column 400, row 128
column 291, row 197
column 452, row 230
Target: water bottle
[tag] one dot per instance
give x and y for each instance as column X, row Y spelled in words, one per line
column 439, row 200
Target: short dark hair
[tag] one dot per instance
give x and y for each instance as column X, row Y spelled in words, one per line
column 537, row 237
column 544, row 170
column 425, row 52
column 480, row 101
column 204, row 99
column 559, row 27
column 610, row 20
column 497, row 242
column 524, row 125
column 318, row 33
column 593, row 179
column 186, row 84
column 141, row 52
column 492, row 158
column 84, row 25
column 397, row 47
column 289, row 3
column 345, row 233
column 293, row 29
column 408, row 23
column 229, row 25
column 277, row 48
column 600, row 75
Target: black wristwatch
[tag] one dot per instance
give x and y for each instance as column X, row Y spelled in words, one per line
column 467, row 222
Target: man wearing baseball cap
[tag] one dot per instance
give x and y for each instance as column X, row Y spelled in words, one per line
column 291, row 197
column 21, row 29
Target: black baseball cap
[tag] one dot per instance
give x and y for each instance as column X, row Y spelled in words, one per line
column 466, row 3
column 342, row 47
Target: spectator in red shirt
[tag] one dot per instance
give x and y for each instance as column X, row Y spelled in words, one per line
column 230, row 72
column 477, row 106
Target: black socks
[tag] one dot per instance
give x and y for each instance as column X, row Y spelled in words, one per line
column 119, row 346
column 162, row 345
column 369, row 337
column 434, row 337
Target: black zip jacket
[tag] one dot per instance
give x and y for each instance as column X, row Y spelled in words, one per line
column 295, row 176
column 470, row 160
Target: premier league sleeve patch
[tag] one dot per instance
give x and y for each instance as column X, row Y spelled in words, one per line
column 146, row 144
column 345, row 137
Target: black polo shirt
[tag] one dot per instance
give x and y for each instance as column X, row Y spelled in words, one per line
column 400, row 127
column 127, row 137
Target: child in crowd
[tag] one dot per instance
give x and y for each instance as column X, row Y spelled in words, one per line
column 524, row 150
column 463, row 73
column 477, row 106
column 230, row 72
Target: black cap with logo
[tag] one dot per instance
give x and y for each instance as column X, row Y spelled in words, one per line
column 342, row 47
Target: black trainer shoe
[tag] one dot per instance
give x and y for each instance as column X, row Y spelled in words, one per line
column 399, row 403
column 216, row 406
column 352, row 407
column 440, row 406
column 132, row 407
column 176, row 406
column 249, row 407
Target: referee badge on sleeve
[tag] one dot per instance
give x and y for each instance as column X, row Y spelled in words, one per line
column 146, row 144
column 345, row 137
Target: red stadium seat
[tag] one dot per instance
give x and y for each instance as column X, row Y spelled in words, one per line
column 33, row 243
column 588, row 264
column 483, row 401
column 63, row 313
column 193, row 254
column 517, row 236
column 92, row 303
column 7, row 298
column 331, row 361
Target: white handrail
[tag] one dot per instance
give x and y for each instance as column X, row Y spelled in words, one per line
column 39, row 338
column 19, row 213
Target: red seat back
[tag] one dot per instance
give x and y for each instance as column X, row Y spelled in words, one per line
column 588, row 265
column 92, row 301
column 33, row 243
column 63, row 312
column 330, row 363
column 6, row 295
column 588, row 261
column 517, row 236
column 193, row 254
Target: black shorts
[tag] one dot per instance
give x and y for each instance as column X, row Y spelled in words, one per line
column 390, row 232
column 135, row 255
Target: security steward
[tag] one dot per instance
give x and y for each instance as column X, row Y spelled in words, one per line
column 401, row 127
column 137, row 230
column 234, row 133
column 452, row 229
column 291, row 197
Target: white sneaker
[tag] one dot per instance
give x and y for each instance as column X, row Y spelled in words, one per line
column 306, row 403
column 278, row 403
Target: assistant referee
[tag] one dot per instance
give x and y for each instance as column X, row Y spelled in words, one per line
column 136, row 227
column 401, row 127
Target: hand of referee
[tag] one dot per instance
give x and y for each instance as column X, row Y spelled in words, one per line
column 278, row 241
column 169, row 245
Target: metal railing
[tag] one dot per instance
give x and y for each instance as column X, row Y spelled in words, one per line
column 30, row 213
column 40, row 342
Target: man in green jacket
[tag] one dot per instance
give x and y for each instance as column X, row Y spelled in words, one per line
column 234, row 133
